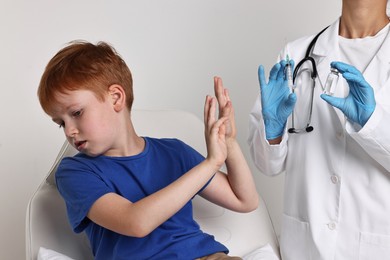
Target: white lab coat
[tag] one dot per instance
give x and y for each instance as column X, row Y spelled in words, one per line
column 337, row 178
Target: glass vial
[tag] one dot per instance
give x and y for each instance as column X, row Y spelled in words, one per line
column 331, row 82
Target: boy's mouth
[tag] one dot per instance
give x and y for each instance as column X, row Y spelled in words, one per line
column 79, row 145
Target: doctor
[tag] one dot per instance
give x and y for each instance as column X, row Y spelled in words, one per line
column 337, row 170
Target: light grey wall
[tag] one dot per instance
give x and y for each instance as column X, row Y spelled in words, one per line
column 173, row 47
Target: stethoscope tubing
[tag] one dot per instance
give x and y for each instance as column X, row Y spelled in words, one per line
column 313, row 75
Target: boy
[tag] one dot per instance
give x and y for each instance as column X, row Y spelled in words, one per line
column 131, row 194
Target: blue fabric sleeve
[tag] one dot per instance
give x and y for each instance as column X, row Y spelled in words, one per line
column 80, row 187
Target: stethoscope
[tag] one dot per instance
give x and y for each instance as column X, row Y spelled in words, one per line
column 313, row 75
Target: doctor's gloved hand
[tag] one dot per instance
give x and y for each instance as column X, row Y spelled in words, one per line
column 360, row 103
column 276, row 100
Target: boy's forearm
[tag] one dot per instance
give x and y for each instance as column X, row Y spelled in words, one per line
column 158, row 207
column 240, row 176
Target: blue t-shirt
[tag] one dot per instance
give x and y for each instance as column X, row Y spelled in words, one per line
column 81, row 180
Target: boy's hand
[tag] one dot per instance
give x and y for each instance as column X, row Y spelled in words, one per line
column 225, row 109
column 215, row 131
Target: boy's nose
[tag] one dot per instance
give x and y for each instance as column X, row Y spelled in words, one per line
column 70, row 130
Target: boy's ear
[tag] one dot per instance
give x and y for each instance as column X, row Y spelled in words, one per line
column 117, row 96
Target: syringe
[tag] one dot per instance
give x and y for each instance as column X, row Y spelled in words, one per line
column 289, row 73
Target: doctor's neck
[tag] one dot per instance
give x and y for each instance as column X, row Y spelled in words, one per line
column 362, row 18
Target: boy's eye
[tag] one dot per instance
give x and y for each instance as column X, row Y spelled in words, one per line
column 76, row 113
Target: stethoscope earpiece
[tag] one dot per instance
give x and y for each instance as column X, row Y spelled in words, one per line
column 291, row 130
column 309, row 129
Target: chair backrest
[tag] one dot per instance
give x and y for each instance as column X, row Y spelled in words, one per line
column 46, row 220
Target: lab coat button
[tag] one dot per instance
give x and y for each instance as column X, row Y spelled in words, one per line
column 332, row 226
column 335, row 179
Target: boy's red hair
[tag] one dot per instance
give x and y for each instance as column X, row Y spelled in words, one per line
column 84, row 66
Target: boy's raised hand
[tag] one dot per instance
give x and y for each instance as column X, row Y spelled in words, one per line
column 225, row 108
column 215, row 131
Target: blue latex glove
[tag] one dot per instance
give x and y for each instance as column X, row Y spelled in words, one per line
column 360, row 103
column 276, row 100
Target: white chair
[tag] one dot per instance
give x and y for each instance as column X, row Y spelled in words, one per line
column 46, row 220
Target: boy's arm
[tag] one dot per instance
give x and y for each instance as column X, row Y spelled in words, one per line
column 235, row 190
column 140, row 218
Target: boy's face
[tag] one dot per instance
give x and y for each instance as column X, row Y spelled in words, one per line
column 89, row 124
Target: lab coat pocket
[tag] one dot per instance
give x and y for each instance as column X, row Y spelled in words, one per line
column 374, row 246
column 294, row 239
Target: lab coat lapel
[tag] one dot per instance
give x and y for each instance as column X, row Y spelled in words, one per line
column 325, row 51
column 377, row 73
